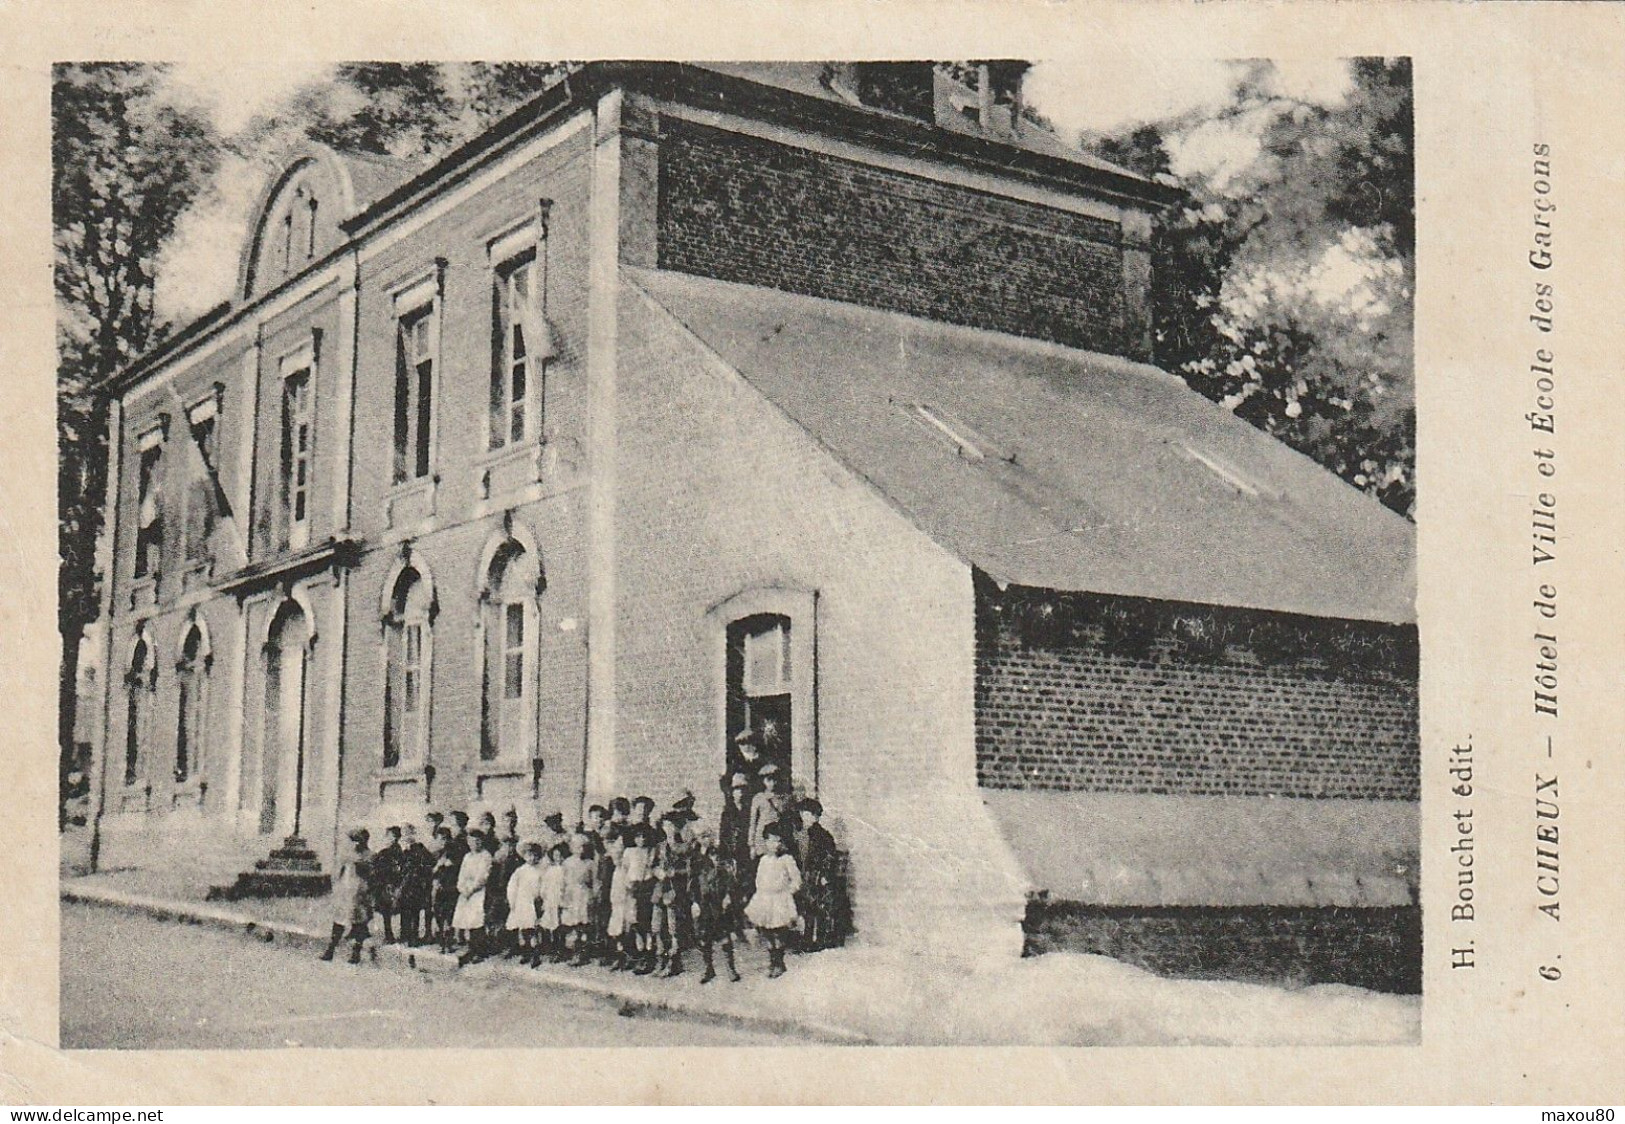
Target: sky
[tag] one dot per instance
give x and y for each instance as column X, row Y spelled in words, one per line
column 1095, row 95
column 1119, row 93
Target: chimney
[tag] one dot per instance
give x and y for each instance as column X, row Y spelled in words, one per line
column 982, row 97
column 1000, row 82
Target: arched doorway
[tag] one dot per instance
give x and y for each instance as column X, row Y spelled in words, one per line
column 285, row 771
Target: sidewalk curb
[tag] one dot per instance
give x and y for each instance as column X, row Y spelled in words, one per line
column 631, row 998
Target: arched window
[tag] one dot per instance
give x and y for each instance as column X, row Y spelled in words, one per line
column 508, row 622
column 140, row 684
column 191, row 724
column 407, row 669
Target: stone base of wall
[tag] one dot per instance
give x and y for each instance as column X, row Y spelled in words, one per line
column 1376, row 948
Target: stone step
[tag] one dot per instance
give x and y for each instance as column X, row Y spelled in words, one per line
column 274, row 884
column 291, row 871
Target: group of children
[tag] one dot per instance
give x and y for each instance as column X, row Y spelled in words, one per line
column 624, row 889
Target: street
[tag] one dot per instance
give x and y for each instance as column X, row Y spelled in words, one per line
column 132, row 982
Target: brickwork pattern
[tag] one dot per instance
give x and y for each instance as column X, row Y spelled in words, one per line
column 450, row 543
column 1380, row 949
column 1071, row 707
column 445, row 536
column 760, row 213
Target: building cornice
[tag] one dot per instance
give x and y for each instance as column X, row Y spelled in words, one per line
column 688, row 84
column 340, row 552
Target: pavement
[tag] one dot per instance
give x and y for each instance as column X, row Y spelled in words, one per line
column 130, row 980
column 749, row 1007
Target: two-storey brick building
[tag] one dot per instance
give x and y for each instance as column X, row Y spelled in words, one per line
column 805, row 398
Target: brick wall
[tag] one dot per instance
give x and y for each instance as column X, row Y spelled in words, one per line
column 445, row 533
column 753, row 211
column 1380, row 949
column 458, row 237
column 1078, row 692
column 447, row 530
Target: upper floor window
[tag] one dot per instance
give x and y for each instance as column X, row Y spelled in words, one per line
column 203, row 492
column 299, row 228
column 416, row 354
column 149, row 526
column 297, row 440
column 517, row 366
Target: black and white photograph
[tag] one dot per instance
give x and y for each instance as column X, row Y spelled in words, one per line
column 656, row 553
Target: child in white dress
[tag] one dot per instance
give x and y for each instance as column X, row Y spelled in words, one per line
column 552, row 902
column 524, row 888
column 773, row 907
column 579, row 872
column 469, row 919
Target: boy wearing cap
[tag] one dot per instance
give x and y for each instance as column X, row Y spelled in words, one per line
column 458, row 847
column 733, row 828
column 499, row 938
column 387, row 870
column 747, row 755
column 442, row 888
column 820, row 872
column 773, row 808
column 352, row 900
column 641, row 840
column 416, row 865
column 593, row 937
column 716, row 906
column 674, row 898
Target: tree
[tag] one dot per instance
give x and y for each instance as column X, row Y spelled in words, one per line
column 408, row 110
column 1284, row 291
column 125, row 164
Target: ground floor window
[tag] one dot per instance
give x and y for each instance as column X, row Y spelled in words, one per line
column 191, row 724
column 139, row 684
column 406, row 678
column 509, row 685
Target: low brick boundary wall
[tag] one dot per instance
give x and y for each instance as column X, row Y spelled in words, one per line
column 1375, row 948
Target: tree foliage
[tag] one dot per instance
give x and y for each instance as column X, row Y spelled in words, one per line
column 1284, row 289
column 417, row 110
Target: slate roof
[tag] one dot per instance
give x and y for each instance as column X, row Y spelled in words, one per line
column 1057, row 468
